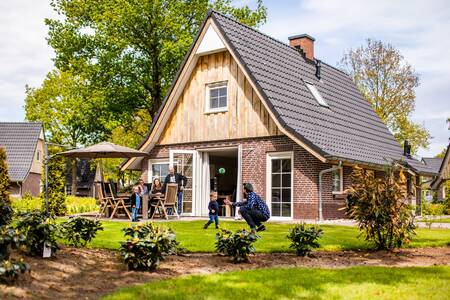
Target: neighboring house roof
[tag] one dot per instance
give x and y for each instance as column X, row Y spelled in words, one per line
column 348, row 130
column 20, row 140
column 433, row 162
column 444, row 170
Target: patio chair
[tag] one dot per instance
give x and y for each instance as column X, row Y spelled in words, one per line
column 169, row 201
column 104, row 201
column 119, row 203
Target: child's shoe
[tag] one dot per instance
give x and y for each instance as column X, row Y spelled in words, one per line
column 217, row 226
column 206, row 226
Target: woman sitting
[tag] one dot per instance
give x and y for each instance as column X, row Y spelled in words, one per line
column 156, row 192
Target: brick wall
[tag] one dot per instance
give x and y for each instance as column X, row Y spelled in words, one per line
column 254, row 155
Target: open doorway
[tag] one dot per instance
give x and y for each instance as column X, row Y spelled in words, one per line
column 221, row 174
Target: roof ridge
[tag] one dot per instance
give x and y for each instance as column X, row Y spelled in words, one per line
column 260, row 32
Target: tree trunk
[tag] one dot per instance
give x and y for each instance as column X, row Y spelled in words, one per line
column 74, row 176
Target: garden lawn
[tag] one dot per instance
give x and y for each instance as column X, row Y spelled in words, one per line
column 445, row 220
column 194, row 238
column 301, row 283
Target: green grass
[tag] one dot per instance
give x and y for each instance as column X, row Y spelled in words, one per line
column 192, row 236
column 445, row 220
column 301, row 283
column 75, row 205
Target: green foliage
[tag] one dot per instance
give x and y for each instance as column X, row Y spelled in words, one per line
column 39, row 230
column 387, row 82
column 75, row 205
column 146, row 246
column 380, row 207
column 10, row 270
column 4, row 178
column 304, row 238
column 56, row 184
column 80, row 231
column 6, row 213
column 431, row 212
column 237, row 244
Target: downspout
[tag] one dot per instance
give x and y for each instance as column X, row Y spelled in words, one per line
column 338, row 167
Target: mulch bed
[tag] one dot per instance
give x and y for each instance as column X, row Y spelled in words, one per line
column 91, row 273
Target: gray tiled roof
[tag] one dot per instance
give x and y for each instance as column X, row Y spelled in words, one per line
column 20, row 140
column 433, row 162
column 349, row 129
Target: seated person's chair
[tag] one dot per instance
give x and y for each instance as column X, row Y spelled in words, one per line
column 169, row 201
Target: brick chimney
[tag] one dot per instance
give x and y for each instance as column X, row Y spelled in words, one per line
column 305, row 42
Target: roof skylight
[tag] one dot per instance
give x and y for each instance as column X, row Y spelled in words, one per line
column 316, row 94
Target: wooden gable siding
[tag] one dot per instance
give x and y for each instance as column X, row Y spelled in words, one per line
column 246, row 116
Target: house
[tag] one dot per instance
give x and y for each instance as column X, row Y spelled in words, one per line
column 245, row 107
column 438, row 184
column 24, row 144
column 434, row 163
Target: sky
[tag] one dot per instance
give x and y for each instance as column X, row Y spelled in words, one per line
column 419, row 29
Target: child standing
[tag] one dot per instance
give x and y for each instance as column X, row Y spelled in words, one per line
column 135, row 204
column 213, row 208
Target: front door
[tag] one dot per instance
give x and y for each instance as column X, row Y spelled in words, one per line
column 184, row 162
column 279, row 184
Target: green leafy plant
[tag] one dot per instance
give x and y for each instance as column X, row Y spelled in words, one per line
column 10, row 238
column 146, row 246
column 10, row 270
column 304, row 238
column 80, row 231
column 237, row 244
column 380, row 207
column 431, row 212
column 39, row 231
column 4, row 178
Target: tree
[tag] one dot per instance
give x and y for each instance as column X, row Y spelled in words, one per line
column 387, row 81
column 56, row 184
column 131, row 49
column 68, row 110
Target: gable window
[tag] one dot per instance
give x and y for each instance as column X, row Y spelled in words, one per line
column 315, row 92
column 216, row 97
column 38, row 155
column 336, row 177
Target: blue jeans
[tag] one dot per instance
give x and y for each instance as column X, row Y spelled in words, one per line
column 214, row 218
column 180, row 202
column 134, row 214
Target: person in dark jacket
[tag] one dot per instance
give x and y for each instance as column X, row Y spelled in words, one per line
column 213, row 208
column 179, row 179
column 135, row 203
column 254, row 210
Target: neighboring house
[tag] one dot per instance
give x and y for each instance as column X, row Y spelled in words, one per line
column 438, row 184
column 270, row 114
column 435, row 164
column 24, row 143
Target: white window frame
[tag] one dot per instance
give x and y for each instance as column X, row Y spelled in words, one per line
column 316, row 94
column 158, row 161
column 278, row 155
column 341, row 175
column 209, row 86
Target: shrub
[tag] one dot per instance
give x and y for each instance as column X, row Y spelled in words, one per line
column 380, row 207
column 80, row 231
column 430, row 212
column 6, row 213
column 304, row 238
column 10, row 270
column 39, row 231
column 146, row 246
column 238, row 245
column 10, row 238
column 56, row 185
column 78, row 205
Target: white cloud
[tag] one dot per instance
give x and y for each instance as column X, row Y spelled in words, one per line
column 25, row 57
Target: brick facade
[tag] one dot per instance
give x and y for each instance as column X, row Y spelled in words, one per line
column 254, row 155
column 32, row 184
